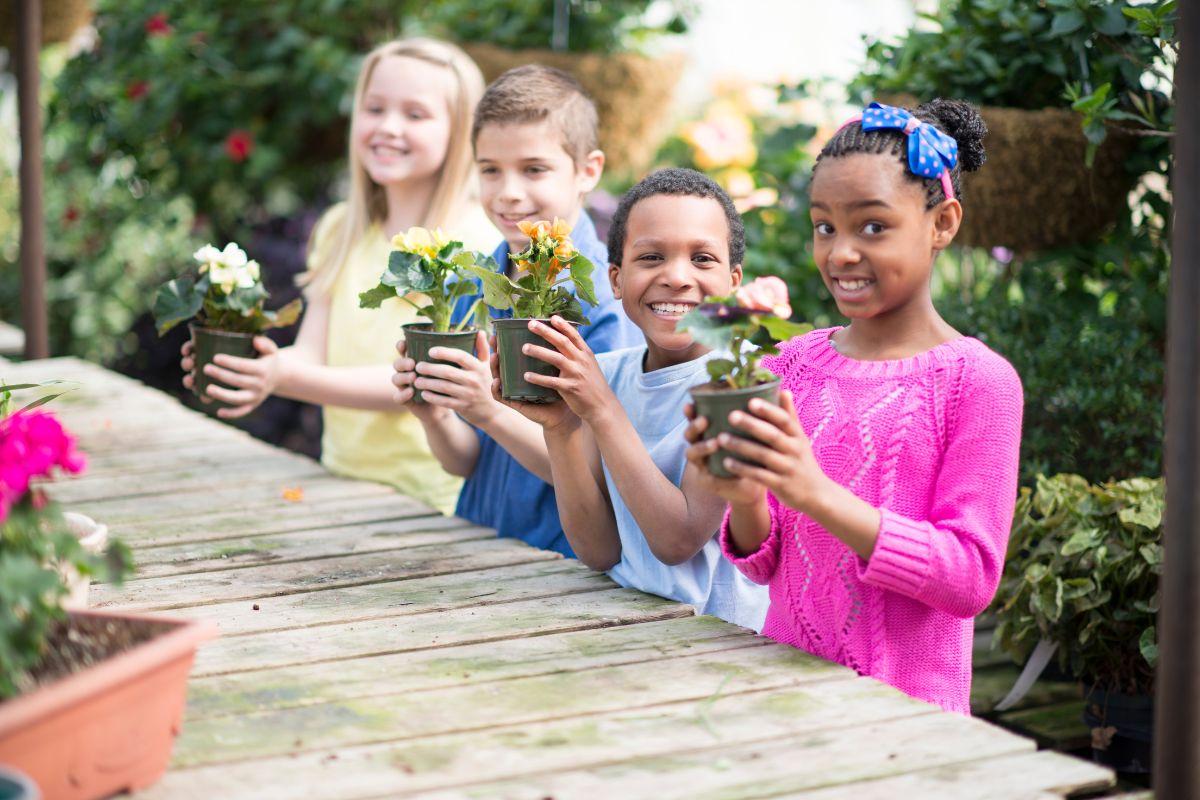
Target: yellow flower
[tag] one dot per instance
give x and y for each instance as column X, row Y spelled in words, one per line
column 421, row 242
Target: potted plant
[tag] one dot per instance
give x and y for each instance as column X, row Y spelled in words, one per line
column 539, row 292
column 1082, row 573
column 1063, row 90
column 226, row 297
column 428, row 265
column 89, row 702
column 732, row 323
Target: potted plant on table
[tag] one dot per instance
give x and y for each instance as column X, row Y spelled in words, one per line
column 1082, row 573
column 539, row 291
column 430, row 272
column 226, row 297
column 89, row 702
column 746, row 325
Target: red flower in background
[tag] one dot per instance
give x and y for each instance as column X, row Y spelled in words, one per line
column 70, row 215
column 158, row 25
column 137, row 90
column 239, row 144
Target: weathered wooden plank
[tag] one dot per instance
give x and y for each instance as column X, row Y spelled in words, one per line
column 989, row 685
column 423, row 670
column 270, row 580
column 709, row 725
column 312, row 510
column 1042, row 774
column 458, row 626
column 186, row 477
column 386, row 716
column 243, row 551
column 1059, row 726
column 505, row 584
column 216, row 454
column 263, row 498
column 823, row 758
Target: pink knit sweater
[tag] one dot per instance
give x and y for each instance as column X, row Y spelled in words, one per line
column 933, row 442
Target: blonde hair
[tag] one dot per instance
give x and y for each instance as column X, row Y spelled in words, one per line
column 367, row 201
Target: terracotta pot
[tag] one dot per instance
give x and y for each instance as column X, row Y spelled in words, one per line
column 206, row 343
column 93, row 536
column 420, row 339
column 632, row 93
column 716, row 402
column 511, row 336
column 110, row 727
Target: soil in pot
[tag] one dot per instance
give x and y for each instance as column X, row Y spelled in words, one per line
column 79, row 642
column 206, row 343
column 715, row 402
column 420, row 338
column 511, row 336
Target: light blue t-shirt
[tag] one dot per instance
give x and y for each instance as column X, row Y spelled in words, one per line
column 654, row 402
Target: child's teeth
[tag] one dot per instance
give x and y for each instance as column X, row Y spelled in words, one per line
column 853, row 285
column 671, row 308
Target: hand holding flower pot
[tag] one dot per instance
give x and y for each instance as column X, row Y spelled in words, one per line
column 226, row 297
column 730, row 324
column 429, row 265
column 538, row 293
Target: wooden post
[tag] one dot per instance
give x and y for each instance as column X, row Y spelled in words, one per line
column 33, row 244
column 1177, row 683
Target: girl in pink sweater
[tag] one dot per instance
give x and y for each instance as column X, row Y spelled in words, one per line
column 880, row 514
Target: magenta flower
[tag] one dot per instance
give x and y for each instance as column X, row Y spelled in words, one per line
column 32, row 445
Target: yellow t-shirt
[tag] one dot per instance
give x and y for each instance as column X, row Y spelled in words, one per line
column 381, row 446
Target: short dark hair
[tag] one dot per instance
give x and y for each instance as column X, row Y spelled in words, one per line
column 681, row 182
column 536, row 93
column 955, row 118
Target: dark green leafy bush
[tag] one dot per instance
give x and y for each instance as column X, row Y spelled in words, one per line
column 1083, row 567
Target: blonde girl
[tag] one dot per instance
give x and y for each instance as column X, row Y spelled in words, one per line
column 410, row 163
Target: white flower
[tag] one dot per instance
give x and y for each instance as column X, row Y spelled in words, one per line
column 248, row 275
column 207, row 256
column 233, row 256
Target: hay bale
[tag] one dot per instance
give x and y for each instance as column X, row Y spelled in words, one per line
column 60, row 19
column 631, row 93
column 1035, row 191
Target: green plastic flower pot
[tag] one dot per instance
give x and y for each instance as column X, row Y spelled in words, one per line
column 206, row 343
column 511, row 336
column 715, row 402
column 420, row 339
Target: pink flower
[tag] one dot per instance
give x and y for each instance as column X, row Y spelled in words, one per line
column 766, row 294
column 32, row 445
column 137, row 90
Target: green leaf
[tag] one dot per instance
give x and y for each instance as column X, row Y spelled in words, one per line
column 498, row 290
column 713, row 334
column 247, row 299
column 1067, row 22
column 373, row 298
column 1148, row 646
column 1081, row 541
column 719, row 369
column 407, row 272
column 1147, row 516
column 176, row 301
column 460, row 289
column 287, row 315
column 581, row 276
column 782, row 330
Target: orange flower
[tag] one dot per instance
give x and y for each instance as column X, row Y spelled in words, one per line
column 560, row 229
column 293, row 494
column 534, row 230
column 565, row 250
column 554, row 268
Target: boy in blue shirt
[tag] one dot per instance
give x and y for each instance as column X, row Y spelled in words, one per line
column 629, row 503
column 536, row 151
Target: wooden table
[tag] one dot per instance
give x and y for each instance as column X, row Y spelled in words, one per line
column 372, row 648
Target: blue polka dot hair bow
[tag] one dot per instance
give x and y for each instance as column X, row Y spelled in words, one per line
column 931, row 153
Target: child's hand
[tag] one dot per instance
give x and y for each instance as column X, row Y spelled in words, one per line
column 187, row 363
column 735, row 491
column 463, row 385
column 403, row 377
column 789, row 469
column 579, row 382
column 253, row 379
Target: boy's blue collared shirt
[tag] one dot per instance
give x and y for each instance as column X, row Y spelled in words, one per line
column 502, row 494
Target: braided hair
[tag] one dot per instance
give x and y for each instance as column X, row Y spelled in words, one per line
column 955, row 118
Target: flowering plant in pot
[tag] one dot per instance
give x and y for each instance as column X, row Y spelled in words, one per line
column 745, row 325
column 89, row 702
column 539, row 291
column 430, row 271
column 225, row 296
column 1081, row 577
